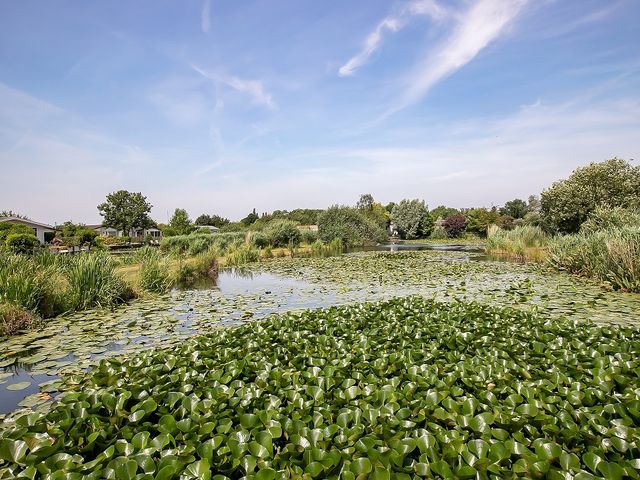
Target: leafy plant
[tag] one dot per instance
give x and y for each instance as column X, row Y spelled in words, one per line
column 282, row 233
column 398, row 389
column 125, row 211
column 350, row 226
column 24, row 243
column 455, row 226
column 412, row 219
column 607, row 218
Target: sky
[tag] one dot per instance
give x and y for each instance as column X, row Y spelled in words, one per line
column 224, row 106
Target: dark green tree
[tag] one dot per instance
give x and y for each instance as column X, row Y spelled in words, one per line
column 515, row 208
column 412, row 219
column 250, row 219
column 180, row 223
column 214, row 220
column 125, row 211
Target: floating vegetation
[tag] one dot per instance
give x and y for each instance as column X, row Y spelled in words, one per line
column 401, row 389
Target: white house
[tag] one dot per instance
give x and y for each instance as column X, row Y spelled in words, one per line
column 134, row 233
column 39, row 229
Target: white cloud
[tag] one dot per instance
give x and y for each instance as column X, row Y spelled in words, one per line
column 253, row 88
column 480, row 25
column 205, row 17
column 392, row 23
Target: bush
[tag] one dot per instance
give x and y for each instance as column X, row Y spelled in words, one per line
column 25, row 243
column 455, row 226
column 13, row 319
column 611, row 256
column 438, row 233
column 350, row 226
column 283, row 233
column 308, row 236
column 195, row 244
column 259, row 239
column 607, row 218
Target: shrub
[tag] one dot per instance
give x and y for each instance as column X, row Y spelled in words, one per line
column 282, row 233
column 259, row 239
column 308, row 236
column 607, row 218
column 455, row 226
column 7, row 228
column 13, row 319
column 438, row 233
column 25, row 243
column 350, row 226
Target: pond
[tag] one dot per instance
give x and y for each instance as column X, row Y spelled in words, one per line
column 31, row 363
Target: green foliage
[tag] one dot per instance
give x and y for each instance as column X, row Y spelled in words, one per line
column 7, row 228
column 214, row 220
column 515, row 208
column 308, row 236
column 241, row 254
column 25, row 243
column 442, row 212
column 11, row 213
column 233, row 227
column 350, row 226
column 607, row 218
column 438, row 233
column 77, row 235
column 400, row 389
column 365, row 202
column 283, row 233
column 259, row 239
column 125, row 211
column 192, row 271
column 479, row 220
column 516, row 242
column 412, row 219
column 250, row 219
column 568, row 203
column 155, row 273
column 199, row 243
column 92, row 281
column 611, row 256
column 180, row 223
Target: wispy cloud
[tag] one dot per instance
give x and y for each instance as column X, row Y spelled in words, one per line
column 481, row 24
column 392, row 23
column 254, row 88
column 205, row 17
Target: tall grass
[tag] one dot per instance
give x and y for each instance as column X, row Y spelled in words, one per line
column 194, row 269
column 93, row 282
column 612, row 256
column 241, row 254
column 523, row 242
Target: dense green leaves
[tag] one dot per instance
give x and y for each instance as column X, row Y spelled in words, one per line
column 399, row 389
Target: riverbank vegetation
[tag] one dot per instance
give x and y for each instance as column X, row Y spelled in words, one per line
column 407, row 387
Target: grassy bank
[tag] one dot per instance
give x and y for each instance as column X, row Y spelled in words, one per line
column 522, row 243
column 399, row 389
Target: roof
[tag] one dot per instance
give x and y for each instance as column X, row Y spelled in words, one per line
column 26, row 221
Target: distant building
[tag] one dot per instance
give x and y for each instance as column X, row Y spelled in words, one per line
column 211, row 228
column 39, row 229
column 313, row 228
column 155, row 233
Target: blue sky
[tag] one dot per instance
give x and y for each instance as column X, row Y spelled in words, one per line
column 221, row 107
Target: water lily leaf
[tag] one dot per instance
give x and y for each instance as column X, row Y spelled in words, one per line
column 19, row 386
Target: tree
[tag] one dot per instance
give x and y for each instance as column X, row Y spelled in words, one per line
column 515, row 208
column 180, row 223
column 125, row 211
column 282, row 232
column 533, row 204
column 250, row 219
column 568, row 203
column 443, row 212
column 455, row 225
column 480, row 219
column 22, row 242
column 11, row 213
column 214, row 220
column 350, row 226
column 412, row 219
column 74, row 235
column 365, row 202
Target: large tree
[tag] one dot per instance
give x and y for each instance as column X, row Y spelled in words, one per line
column 125, row 211
column 180, row 223
column 412, row 219
column 213, row 220
column 568, row 203
column 515, row 208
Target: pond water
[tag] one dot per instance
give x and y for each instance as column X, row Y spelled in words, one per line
column 31, row 363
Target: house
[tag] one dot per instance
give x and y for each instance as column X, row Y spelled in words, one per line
column 155, row 233
column 211, row 228
column 313, row 228
column 39, row 229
